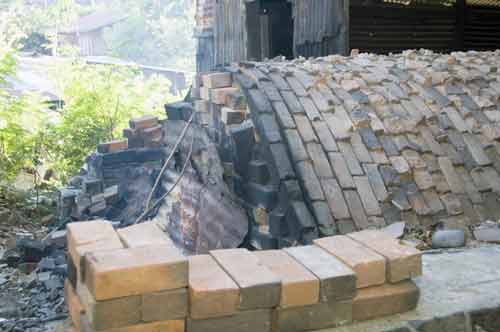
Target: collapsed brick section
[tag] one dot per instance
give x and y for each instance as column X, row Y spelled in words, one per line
column 342, row 144
column 149, row 286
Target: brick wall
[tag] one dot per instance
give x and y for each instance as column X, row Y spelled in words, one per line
column 135, row 279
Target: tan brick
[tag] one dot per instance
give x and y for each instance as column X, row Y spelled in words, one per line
column 164, row 326
column 74, row 304
column 230, row 116
column 109, row 314
column 312, row 317
column 368, row 265
column 388, row 299
column 90, row 236
column 144, row 234
column 403, row 262
column 113, row 146
column 299, row 287
column 259, row 287
column 146, row 121
column 133, row 271
column 217, row 80
column 337, row 280
column 212, row 293
column 242, row 321
column 165, row 305
column 218, row 96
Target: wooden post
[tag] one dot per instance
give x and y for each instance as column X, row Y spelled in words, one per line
column 460, row 24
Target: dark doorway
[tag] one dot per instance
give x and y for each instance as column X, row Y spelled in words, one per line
column 270, row 29
column 280, row 27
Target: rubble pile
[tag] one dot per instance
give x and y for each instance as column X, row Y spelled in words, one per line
column 135, row 279
column 338, row 144
column 118, row 180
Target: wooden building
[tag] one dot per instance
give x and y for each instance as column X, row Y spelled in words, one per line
column 236, row 30
column 87, row 33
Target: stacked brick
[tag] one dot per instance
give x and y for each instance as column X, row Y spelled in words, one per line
column 134, row 279
column 360, row 142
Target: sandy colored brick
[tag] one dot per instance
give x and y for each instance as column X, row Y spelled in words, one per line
column 313, row 317
column 299, row 287
column 113, row 146
column 217, row 80
column 403, row 262
column 212, row 292
column 337, row 280
column 144, row 234
column 90, row 236
column 110, row 314
column 133, row 271
column 164, row 326
column 146, row 121
column 242, row 321
column 218, row 96
column 259, row 287
column 388, row 299
column 368, row 265
column 165, row 305
column 75, row 308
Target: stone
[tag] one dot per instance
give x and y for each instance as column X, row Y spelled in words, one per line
column 360, row 150
column 326, row 136
column 310, row 109
column 370, row 139
column 231, row 116
column 144, row 234
column 350, row 158
column 310, row 181
column 403, row 262
column 89, row 236
column 448, row 238
column 456, row 184
column 259, row 286
column 384, row 300
column 299, row 287
column 144, row 122
column 487, row 233
column 292, row 102
column 305, row 129
column 400, row 165
column 282, row 162
column 341, row 170
column 423, row 179
column 337, row 280
column 113, row 146
column 339, row 122
column 165, row 305
column 242, row 321
column 132, row 271
column 110, row 314
column 356, row 208
column 334, row 198
column 74, row 304
column 367, row 264
column 217, row 80
column 296, row 146
column 212, row 292
column 284, row 117
column 313, row 317
column 163, row 326
column 218, row 95
column 396, row 230
column 367, row 196
column 376, row 182
column 476, row 150
column 319, row 160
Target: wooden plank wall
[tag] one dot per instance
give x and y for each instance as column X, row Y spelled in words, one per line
column 230, row 31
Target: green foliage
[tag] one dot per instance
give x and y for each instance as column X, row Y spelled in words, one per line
column 99, row 101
